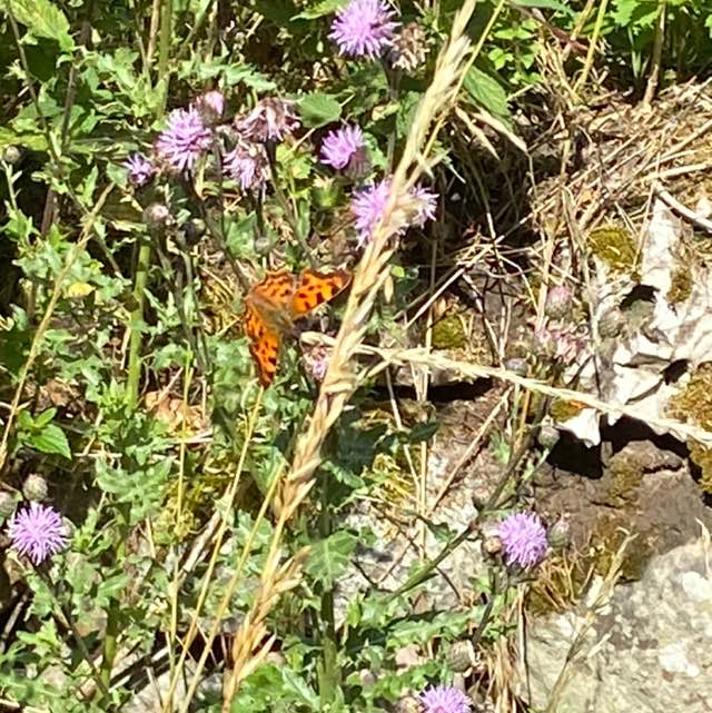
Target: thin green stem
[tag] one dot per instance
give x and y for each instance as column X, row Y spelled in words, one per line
column 139, row 294
column 289, row 214
column 164, row 47
column 328, row 671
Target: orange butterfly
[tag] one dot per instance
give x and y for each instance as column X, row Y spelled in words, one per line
column 273, row 305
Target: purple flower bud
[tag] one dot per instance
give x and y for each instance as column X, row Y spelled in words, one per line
column 140, row 169
column 156, row 216
column 211, row 106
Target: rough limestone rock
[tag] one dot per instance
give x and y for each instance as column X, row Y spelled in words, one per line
column 649, row 649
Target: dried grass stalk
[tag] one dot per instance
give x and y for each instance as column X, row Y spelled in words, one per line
column 339, row 381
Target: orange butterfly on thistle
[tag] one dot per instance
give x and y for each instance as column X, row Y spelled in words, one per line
column 276, row 302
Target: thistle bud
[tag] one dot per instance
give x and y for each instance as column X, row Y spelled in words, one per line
column 408, row 704
column 8, row 502
column 610, row 324
column 559, row 534
column 558, row 302
column 211, row 106
column 518, row 365
column 263, row 245
column 461, row 656
column 194, row 230
column 156, row 216
column 35, row 488
column 492, row 545
column 11, row 155
column 548, row 436
column 367, row 677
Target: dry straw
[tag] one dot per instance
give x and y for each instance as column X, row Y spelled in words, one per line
column 339, row 381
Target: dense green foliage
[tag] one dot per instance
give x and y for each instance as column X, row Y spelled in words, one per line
column 126, row 381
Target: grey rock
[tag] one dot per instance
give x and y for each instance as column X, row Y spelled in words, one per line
column 648, row 648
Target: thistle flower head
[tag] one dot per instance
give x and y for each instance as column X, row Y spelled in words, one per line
column 558, row 341
column 247, row 165
column 344, row 148
column 409, row 48
column 38, row 532
column 368, row 206
column 364, row 28
column 444, row 699
column 140, row 169
column 185, row 139
column 271, row 120
column 524, row 539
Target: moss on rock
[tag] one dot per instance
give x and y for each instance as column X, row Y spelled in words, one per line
column 616, row 247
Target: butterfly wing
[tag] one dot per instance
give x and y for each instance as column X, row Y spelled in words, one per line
column 264, row 342
column 314, row 288
column 274, row 302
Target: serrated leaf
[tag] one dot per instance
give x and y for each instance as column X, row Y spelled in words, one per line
column 231, row 74
column 330, row 557
column 319, row 9
column 318, row 109
column 113, row 586
column 51, row 439
column 44, row 19
column 486, row 92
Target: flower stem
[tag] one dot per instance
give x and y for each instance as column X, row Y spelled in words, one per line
column 328, row 671
column 134, row 368
column 144, row 253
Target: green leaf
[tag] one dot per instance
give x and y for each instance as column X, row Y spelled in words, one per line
column 230, row 74
column 50, row 439
column 44, row 19
column 319, row 9
column 318, row 109
column 486, row 92
column 422, row 432
column 111, row 588
column 545, row 5
column 330, row 557
column 45, row 417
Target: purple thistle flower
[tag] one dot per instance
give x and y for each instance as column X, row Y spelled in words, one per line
column 364, row 28
column 247, row 164
column 271, row 120
column 445, row 699
column 343, row 147
column 140, row 169
column 185, row 139
column 368, row 206
column 38, row 532
column 524, row 539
